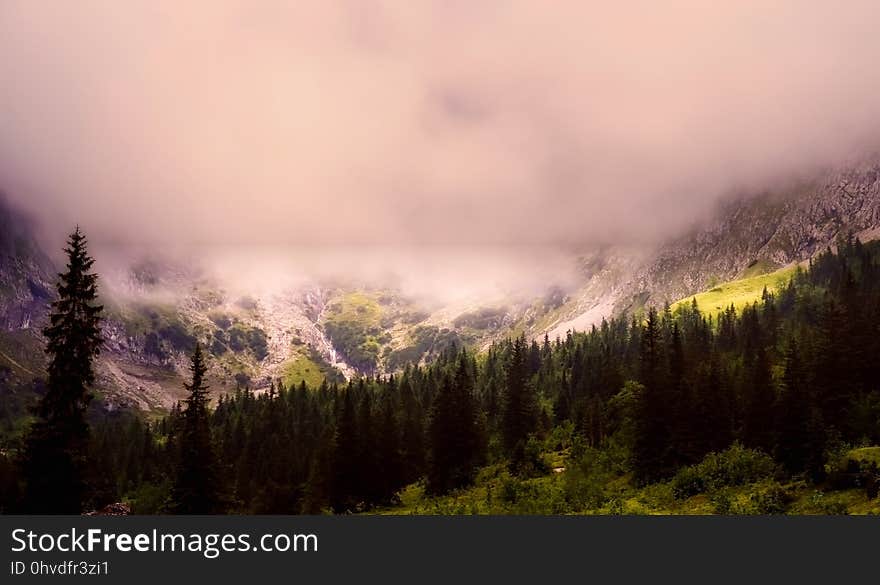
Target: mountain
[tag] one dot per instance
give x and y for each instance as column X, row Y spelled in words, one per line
column 748, row 236
column 156, row 308
column 769, row 231
column 26, row 273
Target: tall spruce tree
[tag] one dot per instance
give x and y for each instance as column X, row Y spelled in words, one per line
column 195, row 488
column 345, row 464
column 801, row 442
column 453, row 433
column 412, row 440
column 759, row 397
column 54, row 460
column 519, row 402
column 388, row 461
column 652, row 448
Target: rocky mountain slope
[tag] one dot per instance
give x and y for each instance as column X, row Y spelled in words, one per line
column 770, row 230
column 157, row 309
column 748, row 235
column 26, row 273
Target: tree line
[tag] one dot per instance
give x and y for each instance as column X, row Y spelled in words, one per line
column 793, row 375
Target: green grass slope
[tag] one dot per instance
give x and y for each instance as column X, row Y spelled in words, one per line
column 740, row 292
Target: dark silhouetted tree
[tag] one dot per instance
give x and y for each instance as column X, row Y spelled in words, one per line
column 195, row 488
column 54, row 458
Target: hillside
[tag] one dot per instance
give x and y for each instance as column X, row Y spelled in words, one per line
column 771, row 230
column 738, row 293
column 760, row 232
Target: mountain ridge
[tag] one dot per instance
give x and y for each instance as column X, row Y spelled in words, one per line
column 156, row 310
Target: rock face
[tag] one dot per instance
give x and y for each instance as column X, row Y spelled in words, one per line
column 26, row 274
column 774, row 229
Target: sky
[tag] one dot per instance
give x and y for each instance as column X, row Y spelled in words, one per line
column 421, row 123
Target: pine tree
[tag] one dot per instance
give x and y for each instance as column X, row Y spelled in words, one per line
column 801, row 442
column 519, row 403
column 389, row 462
column 345, row 455
column 195, row 487
column 54, row 458
column 453, row 434
column 412, row 434
column 653, row 438
column 757, row 431
column 368, row 484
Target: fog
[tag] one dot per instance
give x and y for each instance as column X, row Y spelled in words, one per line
column 414, row 125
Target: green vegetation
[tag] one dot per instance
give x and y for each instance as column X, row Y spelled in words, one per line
column 309, row 369
column 242, row 338
column 238, row 338
column 143, row 318
column 485, row 318
column 427, row 342
column 757, row 268
column 302, row 369
column 739, row 293
column 353, row 323
column 594, row 481
column 864, row 456
column 22, row 370
column 733, row 467
column 160, row 326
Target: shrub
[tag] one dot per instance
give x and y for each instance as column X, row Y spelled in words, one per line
column 734, row 466
column 253, row 338
column 587, row 471
column 221, row 320
column 237, row 339
column 258, row 343
column 179, row 338
column 723, row 502
column 766, row 498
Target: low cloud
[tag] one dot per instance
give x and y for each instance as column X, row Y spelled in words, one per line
column 412, row 123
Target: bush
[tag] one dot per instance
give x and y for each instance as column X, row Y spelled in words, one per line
column 767, row 498
column 179, row 338
column 587, row 471
column 253, row 338
column 723, row 502
column 762, row 499
column 734, row 466
column 530, row 497
column 528, row 460
column 258, row 343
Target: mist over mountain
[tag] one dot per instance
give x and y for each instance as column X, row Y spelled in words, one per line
column 405, row 124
